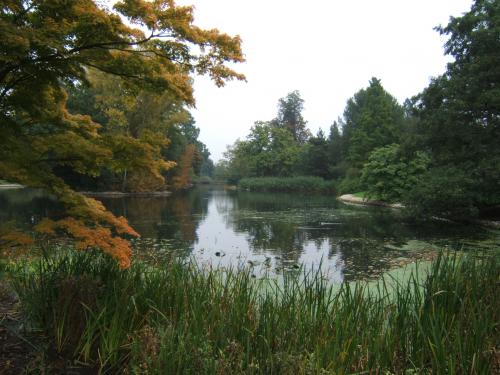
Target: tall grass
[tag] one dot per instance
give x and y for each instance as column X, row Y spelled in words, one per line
column 183, row 320
column 288, row 184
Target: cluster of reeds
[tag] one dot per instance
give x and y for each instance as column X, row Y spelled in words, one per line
column 290, row 184
column 180, row 319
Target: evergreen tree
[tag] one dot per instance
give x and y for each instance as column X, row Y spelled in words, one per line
column 372, row 118
column 459, row 118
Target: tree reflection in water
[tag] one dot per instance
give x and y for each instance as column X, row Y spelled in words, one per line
column 270, row 233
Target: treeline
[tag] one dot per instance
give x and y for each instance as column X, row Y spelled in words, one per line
column 133, row 118
column 439, row 153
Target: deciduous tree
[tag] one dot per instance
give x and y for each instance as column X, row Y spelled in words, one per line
column 48, row 43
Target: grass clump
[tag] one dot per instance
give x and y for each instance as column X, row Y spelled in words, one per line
column 288, row 184
column 181, row 319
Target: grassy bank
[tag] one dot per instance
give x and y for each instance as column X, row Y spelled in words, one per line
column 288, row 184
column 180, row 320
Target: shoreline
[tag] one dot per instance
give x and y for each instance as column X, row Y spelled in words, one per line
column 119, row 194
column 352, row 199
column 11, row 186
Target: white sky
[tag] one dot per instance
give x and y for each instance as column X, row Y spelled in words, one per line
column 326, row 49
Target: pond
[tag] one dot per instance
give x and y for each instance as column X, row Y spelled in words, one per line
column 269, row 233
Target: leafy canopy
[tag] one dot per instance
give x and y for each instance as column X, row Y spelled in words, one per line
column 372, row 118
column 459, row 119
column 49, row 44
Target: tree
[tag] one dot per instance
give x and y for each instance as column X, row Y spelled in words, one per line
column 372, row 118
column 459, row 115
column 389, row 174
column 315, row 156
column 185, row 168
column 335, row 157
column 129, row 116
column 290, row 117
column 269, row 150
column 49, row 44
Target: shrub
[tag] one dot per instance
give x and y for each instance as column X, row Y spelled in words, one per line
column 389, row 174
column 445, row 192
column 288, row 184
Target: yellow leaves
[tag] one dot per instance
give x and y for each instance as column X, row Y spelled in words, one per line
column 93, row 211
column 45, row 43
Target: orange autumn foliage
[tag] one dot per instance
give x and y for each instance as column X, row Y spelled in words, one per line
column 185, row 166
column 91, row 226
column 86, row 237
column 16, row 238
column 14, row 243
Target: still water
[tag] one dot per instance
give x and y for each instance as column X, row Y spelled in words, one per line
column 269, row 233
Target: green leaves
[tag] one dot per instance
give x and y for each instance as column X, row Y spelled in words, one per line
column 372, row 118
column 389, row 174
column 51, row 45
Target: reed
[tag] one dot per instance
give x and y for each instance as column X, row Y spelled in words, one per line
column 180, row 319
column 288, row 184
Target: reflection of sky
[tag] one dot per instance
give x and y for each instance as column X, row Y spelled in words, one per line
column 270, row 233
column 219, row 245
column 320, row 257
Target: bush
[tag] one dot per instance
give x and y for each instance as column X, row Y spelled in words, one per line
column 351, row 182
column 445, row 192
column 288, row 184
column 389, row 175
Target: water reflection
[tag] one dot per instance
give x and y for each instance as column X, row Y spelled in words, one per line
column 270, row 233
column 26, row 206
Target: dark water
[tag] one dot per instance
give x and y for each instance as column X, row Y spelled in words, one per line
column 270, row 233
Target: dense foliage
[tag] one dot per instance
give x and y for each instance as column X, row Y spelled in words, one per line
column 439, row 154
column 459, row 118
column 312, row 184
column 389, row 175
column 158, row 121
column 47, row 46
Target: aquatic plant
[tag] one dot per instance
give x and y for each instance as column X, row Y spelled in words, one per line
column 179, row 318
column 299, row 183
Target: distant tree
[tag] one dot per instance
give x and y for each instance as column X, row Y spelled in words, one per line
column 336, row 167
column 182, row 179
column 271, row 151
column 372, row 118
column 290, row 117
column 207, row 168
column 315, row 156
column 273, row 148
column 235, row 163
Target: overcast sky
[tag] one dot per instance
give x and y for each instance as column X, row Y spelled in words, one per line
column 326, row 49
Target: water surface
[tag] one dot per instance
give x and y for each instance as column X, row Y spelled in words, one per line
column 269, row 233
